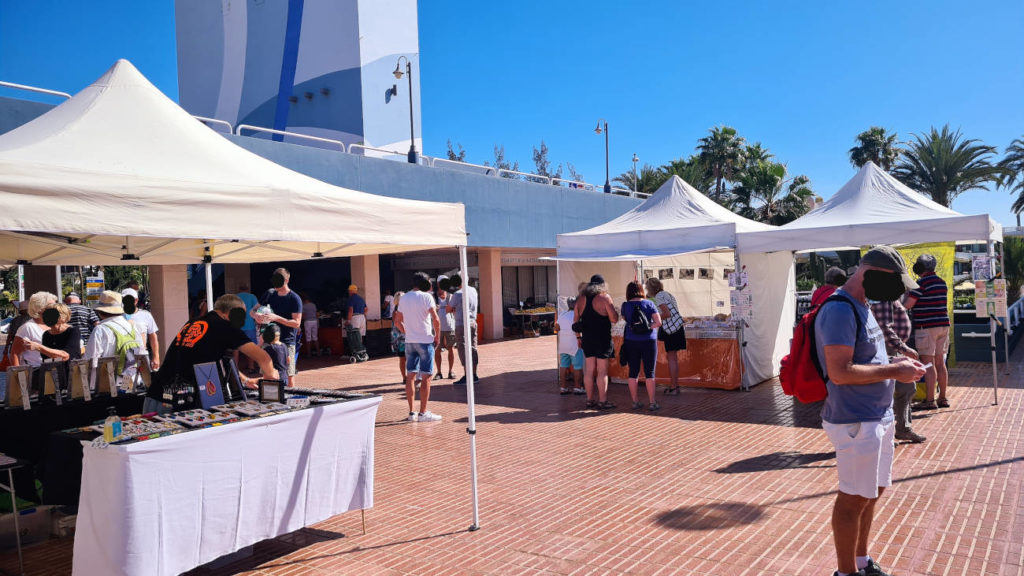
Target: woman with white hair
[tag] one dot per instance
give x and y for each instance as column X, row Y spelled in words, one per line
column 29, row 338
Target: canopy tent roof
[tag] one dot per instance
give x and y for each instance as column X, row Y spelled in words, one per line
column 676, row 219
column 121, row 174
column 872, row 208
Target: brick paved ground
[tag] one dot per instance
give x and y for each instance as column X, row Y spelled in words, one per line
column 719, row 483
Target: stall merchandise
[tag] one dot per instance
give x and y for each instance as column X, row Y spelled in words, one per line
column 199, row 418
column 711, row 358
column 252, row 409
column 165, row 506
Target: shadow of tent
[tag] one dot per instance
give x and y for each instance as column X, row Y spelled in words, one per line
column 776, row 461
column 713, row 516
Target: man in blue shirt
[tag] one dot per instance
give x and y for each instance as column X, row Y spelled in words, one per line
column 857, row 415
column 286, row 312
column 356, row 316
column 249, row 327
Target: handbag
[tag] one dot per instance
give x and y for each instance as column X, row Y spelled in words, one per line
column 577, row 326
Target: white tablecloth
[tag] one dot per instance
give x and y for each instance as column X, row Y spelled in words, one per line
column 167, row 505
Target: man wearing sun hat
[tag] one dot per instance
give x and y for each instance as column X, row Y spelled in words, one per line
column 356, row 317
column 103, row 340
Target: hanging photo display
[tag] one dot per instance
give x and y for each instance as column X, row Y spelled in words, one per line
column 687, row 274
column 706, row 273
column 666, row 273
column 981, row 268
column 742, row 303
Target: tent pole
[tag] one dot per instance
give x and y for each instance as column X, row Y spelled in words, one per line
column 60, row 289
column 470, row 384
column 1006, row 327
column 209, row 286
column 558, row 300
column 744, row 382
column 21, row 283
column 992, row 341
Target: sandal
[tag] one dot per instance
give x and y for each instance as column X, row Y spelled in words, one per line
column 637, row 405
column 591, row 405
column 672, row 391
column 926, row 405
column 943, row 403
column 654, row 406
column 606, row 405
column 563, row 391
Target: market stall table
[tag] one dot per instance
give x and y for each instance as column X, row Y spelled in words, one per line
column 534, row 315
column 711, row 360
column 167, row 505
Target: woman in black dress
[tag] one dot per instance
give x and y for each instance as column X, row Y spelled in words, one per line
column 597, row 313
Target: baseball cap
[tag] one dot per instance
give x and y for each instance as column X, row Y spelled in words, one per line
column 130, row 292
column 886, row 258
column 597, row 279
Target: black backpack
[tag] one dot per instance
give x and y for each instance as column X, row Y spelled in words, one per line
column 639, row 323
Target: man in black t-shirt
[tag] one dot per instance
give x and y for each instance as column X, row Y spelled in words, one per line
column 206, row 339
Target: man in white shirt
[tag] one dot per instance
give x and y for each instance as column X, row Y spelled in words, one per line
column 103, row 340
column 455, row 307
column 447, row 341
column 417, row 318
column 145, row 325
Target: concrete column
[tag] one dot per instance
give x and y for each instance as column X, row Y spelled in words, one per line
column 41, row 278
column 168, row 295
column 236, row 275
column 366, row 275
column 489, row 264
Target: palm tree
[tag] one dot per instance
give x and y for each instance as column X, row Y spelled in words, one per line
column 754, row 154
column 762, row 194
column 692, row 170
column 648, row 179
column 722, row 152
column 1013, row 163
column 878, row 146
column 944, row 165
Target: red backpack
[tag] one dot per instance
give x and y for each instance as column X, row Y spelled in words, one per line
column 801, row 374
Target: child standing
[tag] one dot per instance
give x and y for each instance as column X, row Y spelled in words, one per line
column 276, row 349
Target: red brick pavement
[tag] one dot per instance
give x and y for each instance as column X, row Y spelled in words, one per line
column 718, row 482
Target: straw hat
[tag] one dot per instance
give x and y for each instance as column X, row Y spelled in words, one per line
column 110, row 303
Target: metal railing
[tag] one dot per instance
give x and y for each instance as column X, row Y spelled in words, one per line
column 215, row 122
column 525, row 176
column 464, row 166
column 34, row 89
column 573, row 184
column 338, row 143
column 422, row 159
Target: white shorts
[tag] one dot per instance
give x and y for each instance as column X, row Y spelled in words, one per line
column 359, row 321
column 312, row 330
column 864, row 454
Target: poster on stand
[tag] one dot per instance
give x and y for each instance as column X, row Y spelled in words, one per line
column 981, row 268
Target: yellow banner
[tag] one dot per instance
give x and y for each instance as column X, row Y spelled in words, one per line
column 945, row 254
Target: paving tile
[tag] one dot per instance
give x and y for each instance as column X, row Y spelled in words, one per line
column 716, row 483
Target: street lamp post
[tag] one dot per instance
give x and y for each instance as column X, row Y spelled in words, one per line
column 635, row 184
column 607, row 180
column 412, row 130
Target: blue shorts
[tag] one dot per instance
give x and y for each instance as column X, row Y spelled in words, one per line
column 419, row 358
column 574, row 360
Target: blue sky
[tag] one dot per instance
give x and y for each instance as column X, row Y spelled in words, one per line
column 803, row 78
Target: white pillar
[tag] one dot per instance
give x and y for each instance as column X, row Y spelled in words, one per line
column 168, row 295
column 366, row 275
column 489, row 265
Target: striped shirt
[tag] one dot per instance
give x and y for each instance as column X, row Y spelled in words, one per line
column 83, row 318
column 930, row 310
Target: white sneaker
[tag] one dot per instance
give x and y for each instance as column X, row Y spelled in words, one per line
column 429, row 417
column 413, row 417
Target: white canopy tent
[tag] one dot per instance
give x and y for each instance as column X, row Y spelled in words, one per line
column 680, row 226
column 874, row 208
column 120, row 174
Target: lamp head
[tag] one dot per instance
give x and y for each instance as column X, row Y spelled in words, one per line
column 398, row 71
column 635, row 158
column 597, row 129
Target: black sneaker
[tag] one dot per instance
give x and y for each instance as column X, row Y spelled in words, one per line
column 460, row 381
column 857, row 573
column 873, row 569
